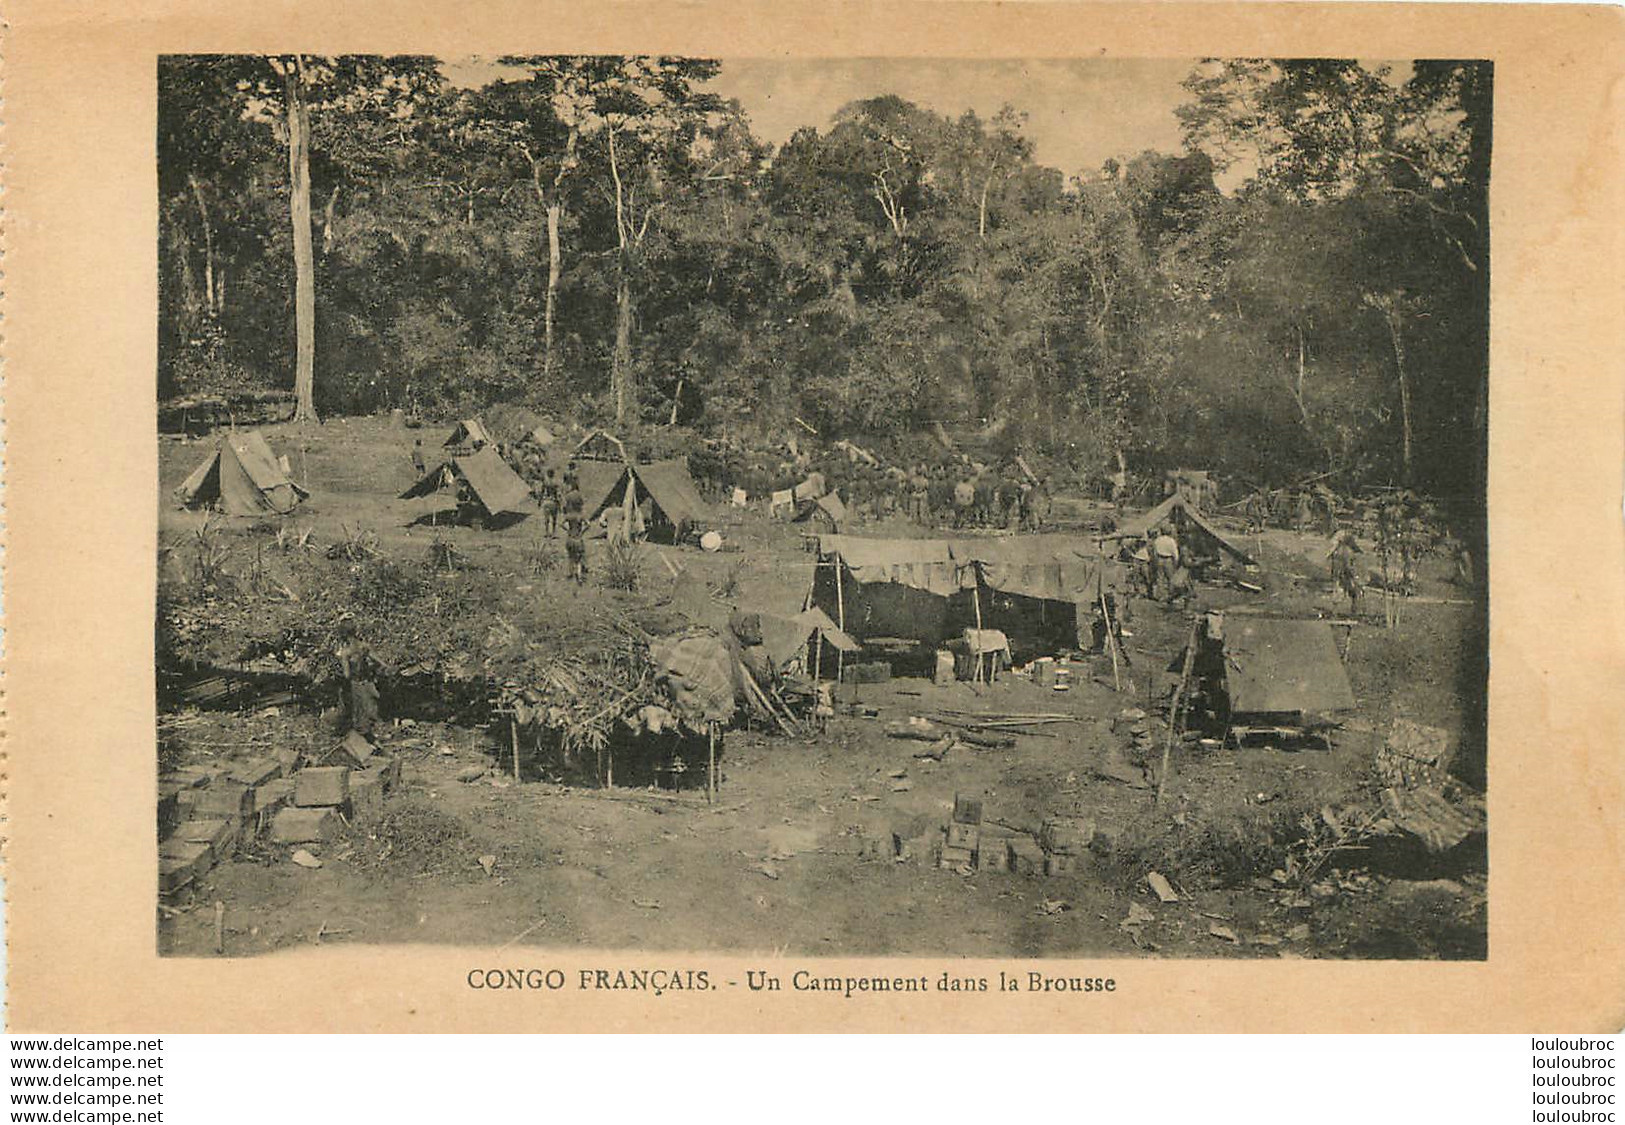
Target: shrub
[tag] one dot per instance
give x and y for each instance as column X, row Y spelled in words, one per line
column 443, row 554
column 210, row 553
column 542, row 557
column 623, row 567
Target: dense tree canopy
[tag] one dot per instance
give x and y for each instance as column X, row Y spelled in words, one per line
column 607, row 237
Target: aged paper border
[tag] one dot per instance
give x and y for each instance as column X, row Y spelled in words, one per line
column 80, row 268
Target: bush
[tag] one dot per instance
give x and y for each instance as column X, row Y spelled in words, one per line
column 1225, row 846
column 443, row 554
column 542, row 557
column 623, row 567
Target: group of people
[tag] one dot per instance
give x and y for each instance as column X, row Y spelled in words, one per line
column 561, row 504
column 949, row 494
column 1163, row 572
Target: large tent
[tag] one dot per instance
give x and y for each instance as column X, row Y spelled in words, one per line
column 1029, row 588
column 243, row 477
column 1268, row 667
column 675, row 503
column 1178, row 513
column 1034, row 589
column 898, row 588
column 496, row 488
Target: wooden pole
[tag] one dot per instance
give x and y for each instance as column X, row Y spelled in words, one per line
column 711, row 764
column 840, row 610
column 1111, row 641
column 513, row 733
column 976, row 602
column 1179, row 694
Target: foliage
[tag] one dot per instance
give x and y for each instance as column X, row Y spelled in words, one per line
column 602, row 239
column 622, row 568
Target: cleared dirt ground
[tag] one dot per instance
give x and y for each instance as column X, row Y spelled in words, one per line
column 797, row 854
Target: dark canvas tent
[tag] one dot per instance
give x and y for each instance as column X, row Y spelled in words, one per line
column 676, row 506
column 898, row 588
column 242, row 477
column 469, row 437
column 1030, row 589
column 1188, row 522
column 496, row 488
column 1268, row 667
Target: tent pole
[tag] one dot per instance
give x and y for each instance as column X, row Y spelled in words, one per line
column 840, row 609
column 976, row 602
column 711, row 766
column 513, row 733
column 1111, row 641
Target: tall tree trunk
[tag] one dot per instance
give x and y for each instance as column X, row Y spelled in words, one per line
column 208, row 244
column 552, row 202
column 555, row 267
column 620, row 374
column 621, row 371
column 189, row 297
column 304, row 262
column 1404, row 396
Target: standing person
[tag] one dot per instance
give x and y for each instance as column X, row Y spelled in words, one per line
column 1009, row 501
column 1165, row 559
column 1344, row 575
column 360, row 672
column 418, row 465
column 575, row 546
column 919, row 496
column 941, row 495
column 964, row 501
column 1257, row 513
column 1145, row 559
column 551, row 497
column 575, row 530
column 1119, row 483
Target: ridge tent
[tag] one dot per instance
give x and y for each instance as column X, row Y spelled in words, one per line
column 493, row 486
column 827, row 507
column 601, row 445
column 597, row 481
column 811, row 488
column 676, row 504
column 1181, row 514
column 243, row 477
column 786, row 638
column 470, row 436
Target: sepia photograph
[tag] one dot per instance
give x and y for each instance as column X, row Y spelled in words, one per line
column 842, row 507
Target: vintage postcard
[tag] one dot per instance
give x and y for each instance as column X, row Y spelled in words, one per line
column 828, row 517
